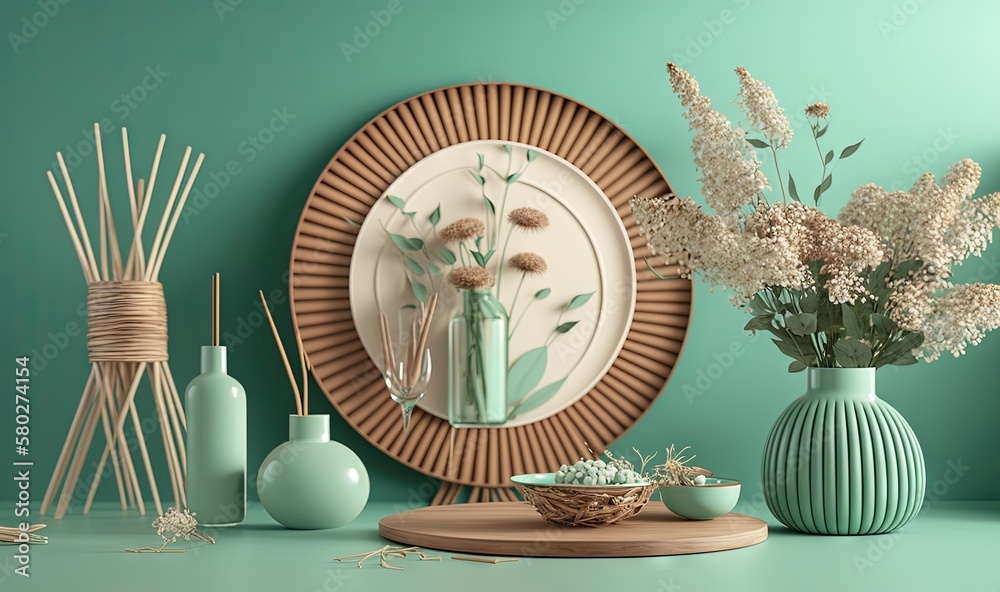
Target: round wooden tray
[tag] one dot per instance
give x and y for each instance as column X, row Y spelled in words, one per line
column 359, row 174
column 516, row 529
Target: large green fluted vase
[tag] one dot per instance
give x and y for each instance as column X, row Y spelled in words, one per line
column 841, row 461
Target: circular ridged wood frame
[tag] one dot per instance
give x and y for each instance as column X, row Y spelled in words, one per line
column 356, row 178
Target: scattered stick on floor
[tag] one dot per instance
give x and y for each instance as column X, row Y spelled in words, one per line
column 387, row 552
column 494, row 560
column 14, row 535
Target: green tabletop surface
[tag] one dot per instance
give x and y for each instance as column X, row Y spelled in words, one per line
column 949, row 546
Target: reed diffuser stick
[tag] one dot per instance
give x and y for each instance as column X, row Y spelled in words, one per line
column 84, row 237
column 215, row 309
column 76, row 465
column 136, row 257
column 305, row 375
column 173, row 462
column 115, row 409
column 117, row 269
column 305, row 381
column 417, row 356
column 129, row 401
column 284, row 357
column 390, row 362
column 133, row 207
column 175, row 395
column 110, row 449
column 140, row 266
column 67, row 449
column 84, row 264
column 168, row 399
column 154, row 274
column 158, row 239
column 103, row 224
column 134, row 415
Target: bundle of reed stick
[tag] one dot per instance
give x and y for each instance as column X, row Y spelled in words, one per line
column 126, row 337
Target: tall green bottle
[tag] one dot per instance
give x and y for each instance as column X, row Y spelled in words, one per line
column 216, row 443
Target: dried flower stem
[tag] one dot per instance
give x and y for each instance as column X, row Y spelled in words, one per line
column 180, row 524
column 675, row 471
column 777, row 171
column 815, row 133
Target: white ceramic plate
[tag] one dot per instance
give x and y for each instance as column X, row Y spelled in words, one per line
column 586, row 248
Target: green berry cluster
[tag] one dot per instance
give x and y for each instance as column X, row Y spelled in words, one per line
column 598, row 472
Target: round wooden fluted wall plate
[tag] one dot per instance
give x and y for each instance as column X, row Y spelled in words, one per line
column 513, row 528
column 358, row 176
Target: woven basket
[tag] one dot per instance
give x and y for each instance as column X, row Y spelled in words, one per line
column 587, row 506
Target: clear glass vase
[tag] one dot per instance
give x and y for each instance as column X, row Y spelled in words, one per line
column 477, row 359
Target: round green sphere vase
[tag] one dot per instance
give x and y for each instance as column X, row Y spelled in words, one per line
column 840, row 461
column 312, row 482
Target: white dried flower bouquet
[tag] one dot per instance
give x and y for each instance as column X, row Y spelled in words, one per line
column 867, row 289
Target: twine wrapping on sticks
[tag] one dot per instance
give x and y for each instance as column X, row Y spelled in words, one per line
column 126, row 338
column 126, row 322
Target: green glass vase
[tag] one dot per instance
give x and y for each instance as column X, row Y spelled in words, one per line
column 477, row 359
column 312, row 482
column 840, row 461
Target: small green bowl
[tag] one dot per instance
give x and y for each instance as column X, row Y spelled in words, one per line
column 717, row 497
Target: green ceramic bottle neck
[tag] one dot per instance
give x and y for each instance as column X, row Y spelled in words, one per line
column 309, row 428
column 213, row 359
column 854, row 383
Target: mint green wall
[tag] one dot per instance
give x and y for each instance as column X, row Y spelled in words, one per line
column 916, row 79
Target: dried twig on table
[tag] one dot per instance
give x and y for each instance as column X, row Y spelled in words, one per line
column 493, row 561
column 14, row 535
column 387, row 552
